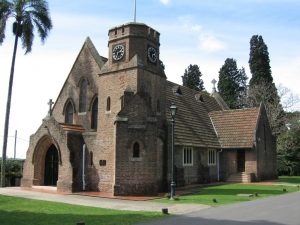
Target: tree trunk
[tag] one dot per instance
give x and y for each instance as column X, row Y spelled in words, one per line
column 11, row 79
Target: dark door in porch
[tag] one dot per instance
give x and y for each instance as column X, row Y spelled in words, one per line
column 51, row 167
column 241, row 160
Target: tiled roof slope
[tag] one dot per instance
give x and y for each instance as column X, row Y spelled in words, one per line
column 236, row 128
column 193, row 125
column 220, row 100
column 72, row 127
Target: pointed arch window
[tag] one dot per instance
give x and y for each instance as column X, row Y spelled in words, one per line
column 69, row 113
column 136, row 150
column 108, row 104
column 83, row 95
column 94, row 119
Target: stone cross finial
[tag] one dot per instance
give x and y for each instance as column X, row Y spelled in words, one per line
column 50, row 103
column 214, row 85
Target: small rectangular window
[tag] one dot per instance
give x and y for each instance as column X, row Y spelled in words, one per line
column 212, row 157
column 102, row 162
column 187, row 156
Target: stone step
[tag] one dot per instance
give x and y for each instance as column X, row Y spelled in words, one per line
column 239, row 178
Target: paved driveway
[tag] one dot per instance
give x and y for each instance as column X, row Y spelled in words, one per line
column 102, row 202
column 279, row 210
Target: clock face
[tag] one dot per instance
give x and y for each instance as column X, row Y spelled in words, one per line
column 152, row 54
column 118, row 52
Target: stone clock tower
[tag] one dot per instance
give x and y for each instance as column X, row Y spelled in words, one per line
column 132, row 108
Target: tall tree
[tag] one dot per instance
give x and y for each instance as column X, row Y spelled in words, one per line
column 27, row 15
column 262, row 88
column 192, row 78
column 232, row 83
column 267, row 93
column 259, row 61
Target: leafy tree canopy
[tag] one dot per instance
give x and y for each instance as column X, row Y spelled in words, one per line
column 28, row 15
column 288, row 147
column 267, row 93
column 261, row 86
column 232, row 84
column 259, row 61
column 192, row 78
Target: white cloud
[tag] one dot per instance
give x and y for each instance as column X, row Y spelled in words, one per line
column 286, row 72
column 207, row 41
column 196, row 28
column 165, row 2
column 210, row 43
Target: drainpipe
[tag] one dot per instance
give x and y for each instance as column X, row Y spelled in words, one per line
column 83, row 168
column 218, row 164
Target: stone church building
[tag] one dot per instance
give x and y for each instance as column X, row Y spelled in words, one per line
column 109, row 129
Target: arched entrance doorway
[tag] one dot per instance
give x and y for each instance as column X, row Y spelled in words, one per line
column 51, row 167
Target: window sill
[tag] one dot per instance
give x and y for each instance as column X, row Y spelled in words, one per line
column 136, row 159
column 188, row 165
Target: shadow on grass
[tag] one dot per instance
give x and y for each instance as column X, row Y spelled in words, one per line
column 234, row 189
column 237, row 191
column 21, row 211
column 287, row 179
column 36, row 218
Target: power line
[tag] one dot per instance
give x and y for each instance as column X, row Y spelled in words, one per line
column 22, row 139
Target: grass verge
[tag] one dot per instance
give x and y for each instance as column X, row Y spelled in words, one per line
column 288, row 180
column 21, row 211
column 228, row 193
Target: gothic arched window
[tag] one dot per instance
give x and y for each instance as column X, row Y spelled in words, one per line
column 69, row 112
column 108, row 104
column 83, row 95
column 136, row 150
column 94, row 117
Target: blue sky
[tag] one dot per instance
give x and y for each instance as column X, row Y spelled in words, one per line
column 202, row 32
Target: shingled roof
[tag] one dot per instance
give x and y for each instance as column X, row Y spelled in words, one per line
column 193, row 125
column 72, row 127
column 236, row 128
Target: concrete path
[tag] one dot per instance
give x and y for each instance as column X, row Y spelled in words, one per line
column 103, row 202
column 278, row 210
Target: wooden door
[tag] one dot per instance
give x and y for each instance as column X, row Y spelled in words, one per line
column 241, row 160
column 51, row 167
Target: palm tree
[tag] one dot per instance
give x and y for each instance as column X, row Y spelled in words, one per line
column 27, row 15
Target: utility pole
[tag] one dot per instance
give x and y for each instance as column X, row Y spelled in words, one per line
column 134, row 12
column 15, row 146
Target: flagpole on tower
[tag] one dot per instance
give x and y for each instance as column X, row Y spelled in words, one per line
column 134, row 11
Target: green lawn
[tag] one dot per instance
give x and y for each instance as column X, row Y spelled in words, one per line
column 227, row 193
column 289, row 180
column 20, row 211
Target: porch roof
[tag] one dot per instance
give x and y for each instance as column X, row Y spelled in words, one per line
column 72, row 127
column 235, row 128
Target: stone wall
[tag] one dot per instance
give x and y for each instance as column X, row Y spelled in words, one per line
column 251, row 161
column 33, row 173
column 85, row 67
column 266, row 149
column 198, row 172
column 228, row 163
column 138, row 175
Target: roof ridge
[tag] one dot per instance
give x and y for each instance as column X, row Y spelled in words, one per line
column 236, row 110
